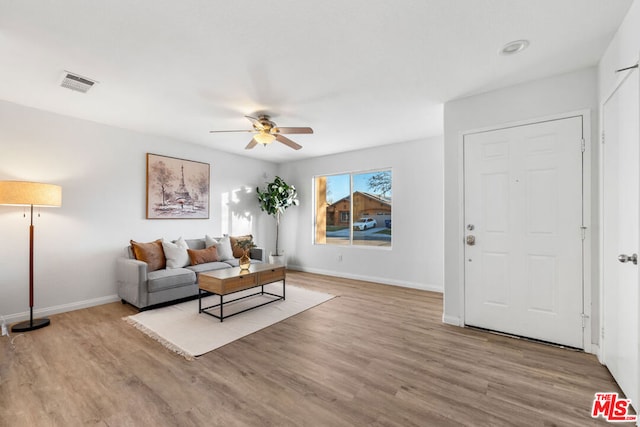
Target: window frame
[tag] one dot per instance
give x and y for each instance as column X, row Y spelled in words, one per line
column 321, row 211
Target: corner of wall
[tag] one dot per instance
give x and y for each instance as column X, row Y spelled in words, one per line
column 451, row 320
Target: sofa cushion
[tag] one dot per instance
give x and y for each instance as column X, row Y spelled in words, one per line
column 237, row 250
column 223, row 245
column 151, row 253
column 202, row 256
column 209, row 266
column 176, row 253
column 169, row 278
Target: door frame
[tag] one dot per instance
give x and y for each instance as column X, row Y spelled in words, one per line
column 587, row 275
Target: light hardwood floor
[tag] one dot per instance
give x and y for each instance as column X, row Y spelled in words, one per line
column 375, row 355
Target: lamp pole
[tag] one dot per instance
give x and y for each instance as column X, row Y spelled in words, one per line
column 31, row 324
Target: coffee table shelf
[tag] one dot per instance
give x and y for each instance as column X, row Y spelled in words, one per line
column 232, row 280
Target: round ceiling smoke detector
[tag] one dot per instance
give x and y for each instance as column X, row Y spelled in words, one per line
column 514, row 47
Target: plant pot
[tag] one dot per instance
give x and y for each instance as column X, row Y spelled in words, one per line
column 278, row 259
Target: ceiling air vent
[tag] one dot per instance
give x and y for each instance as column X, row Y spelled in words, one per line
column 76, row 82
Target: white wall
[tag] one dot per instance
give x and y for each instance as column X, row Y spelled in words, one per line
column 102, row 171
column 556, row 95
column 416, row 258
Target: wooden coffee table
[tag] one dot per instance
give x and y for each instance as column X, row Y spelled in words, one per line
column 231, row 280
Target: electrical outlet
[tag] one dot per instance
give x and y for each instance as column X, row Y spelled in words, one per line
column 340, row 258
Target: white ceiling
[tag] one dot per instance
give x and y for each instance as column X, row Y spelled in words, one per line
column 360, row 72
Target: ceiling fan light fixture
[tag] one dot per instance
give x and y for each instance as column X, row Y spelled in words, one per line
column 264, row 138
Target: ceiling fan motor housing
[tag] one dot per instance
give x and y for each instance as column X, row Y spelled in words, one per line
column 267, row 125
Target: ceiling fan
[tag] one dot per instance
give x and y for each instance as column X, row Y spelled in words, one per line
column 267, row 131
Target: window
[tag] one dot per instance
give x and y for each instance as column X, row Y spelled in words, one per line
column 353, row 209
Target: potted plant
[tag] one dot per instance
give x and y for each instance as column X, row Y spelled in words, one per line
column 246, row 245
column 276, row 197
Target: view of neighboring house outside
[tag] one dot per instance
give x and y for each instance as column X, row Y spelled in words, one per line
column 342, row 200
column 364, row 205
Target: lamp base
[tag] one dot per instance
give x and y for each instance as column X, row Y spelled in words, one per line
column 30, row 325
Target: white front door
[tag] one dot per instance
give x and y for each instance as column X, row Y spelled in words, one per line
column 621, row 157
column 523, row 208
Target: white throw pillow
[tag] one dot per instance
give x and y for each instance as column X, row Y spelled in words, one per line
column 210, row 241
column 223, row 245
column 176, row 253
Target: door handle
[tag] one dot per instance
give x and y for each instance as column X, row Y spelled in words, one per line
column 471, row 240
column 626, row 258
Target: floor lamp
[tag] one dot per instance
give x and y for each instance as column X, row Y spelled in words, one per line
column 20, row 193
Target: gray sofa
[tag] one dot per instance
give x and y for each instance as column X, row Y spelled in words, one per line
column 144, row 289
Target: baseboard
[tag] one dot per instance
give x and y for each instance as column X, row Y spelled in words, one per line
column 451, row 320
column 63, row 308
column 375, row 279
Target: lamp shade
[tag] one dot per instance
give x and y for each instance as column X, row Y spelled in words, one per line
column 20, row 193
column 264, row 138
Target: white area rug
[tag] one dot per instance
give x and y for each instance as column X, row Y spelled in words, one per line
column 182, row 329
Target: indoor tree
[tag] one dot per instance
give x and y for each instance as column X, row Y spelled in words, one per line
column 276, row 197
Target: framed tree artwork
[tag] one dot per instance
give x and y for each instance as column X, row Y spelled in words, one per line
column 177, row 188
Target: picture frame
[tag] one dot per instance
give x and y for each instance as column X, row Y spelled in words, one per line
column 177, row 188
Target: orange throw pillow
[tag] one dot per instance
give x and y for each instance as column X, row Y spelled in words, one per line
column 151, row 253
column 237, row 250
column 202, row 256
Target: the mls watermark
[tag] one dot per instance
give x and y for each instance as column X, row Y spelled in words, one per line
column 612, row 408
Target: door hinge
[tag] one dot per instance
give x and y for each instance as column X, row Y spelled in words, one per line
column 584, row 320
column 583, row 145
column 583, row 232
column 602, row 137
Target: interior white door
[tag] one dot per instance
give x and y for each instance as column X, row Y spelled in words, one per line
column 523, row 207
column 621, row 234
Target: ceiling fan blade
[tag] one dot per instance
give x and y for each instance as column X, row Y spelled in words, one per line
column 255, row 122
column 251, row 144
column 294, row 130
column 221, row 131
column 289, row 143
